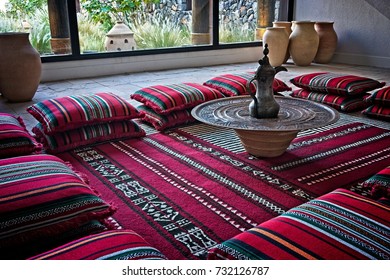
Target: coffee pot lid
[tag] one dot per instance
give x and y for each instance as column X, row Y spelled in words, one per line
column 265, row 69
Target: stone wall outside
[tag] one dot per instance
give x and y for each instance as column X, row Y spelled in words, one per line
column 240, row 12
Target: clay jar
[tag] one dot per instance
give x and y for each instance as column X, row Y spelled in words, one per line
column 328, row 41
column 20, row 67
column 277, row 40
column 287, row 25
column 304, row 43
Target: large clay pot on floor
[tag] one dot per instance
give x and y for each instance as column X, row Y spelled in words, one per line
column 287, row 25
column 328, row 41
column 277, row 40
column 304, row 42
column 20, row 67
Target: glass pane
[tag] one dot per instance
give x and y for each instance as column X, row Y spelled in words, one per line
column 46, row 21
column 246, row 20
column 142, row 25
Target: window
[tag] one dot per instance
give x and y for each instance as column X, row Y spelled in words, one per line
column 245, row 21
column 78, row 29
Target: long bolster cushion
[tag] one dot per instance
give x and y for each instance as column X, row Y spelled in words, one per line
column 379, row 184
column 87, row 135
column 15, row 140
column 165, row 99
column 107, row 245
column 341, row 103
column 42, row 197
column 236, row 84
column 338, row 225
column 70, row 112
column 335, row 83
column 162, row 122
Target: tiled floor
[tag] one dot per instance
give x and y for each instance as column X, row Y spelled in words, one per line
column 126, row 84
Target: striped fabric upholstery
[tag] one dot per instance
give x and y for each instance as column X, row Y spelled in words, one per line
column 378, row 112
column 338, row 225
column 108, row 245
column 64, row 113
column 44, row 244
column 336, row 83
column 379, row 184
column 164, row 99
column 14, row 138
column 41, row 197
column 162, row 122
column 341, row 103
column 235, row 84
column 380, row 97
column 87, row 135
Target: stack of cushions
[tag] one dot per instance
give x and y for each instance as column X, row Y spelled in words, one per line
column 73, row 121
column 345, row 93
column 235, row 84
column 108, row 245
column 44, row 203
column 166, row 106
column 379, row 101
column 338, row 225
column 15, row 140
column 378, row 185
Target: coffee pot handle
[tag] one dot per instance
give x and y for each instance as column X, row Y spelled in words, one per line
column 249, row 90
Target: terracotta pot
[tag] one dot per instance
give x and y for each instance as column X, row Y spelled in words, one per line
column 277, row 40
column 328, row 41
column 20, row 67
column 287, row 25
column 304, row 42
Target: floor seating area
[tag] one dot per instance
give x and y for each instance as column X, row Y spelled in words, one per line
column 49, row 209
column 335, row 226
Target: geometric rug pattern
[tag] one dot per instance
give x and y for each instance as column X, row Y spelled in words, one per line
column 186, row 190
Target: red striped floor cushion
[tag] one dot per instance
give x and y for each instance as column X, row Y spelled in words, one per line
column 87, row 135
column 338, row 225
column 336, row 83
column 64, row 113
column 162, row 122
column 339, row 102
column 41, row 197
column 377, row 112
column 15, row 140
column 235, row 84
column 380, row 97
column 379, row 184
column 164, row 99
column 43, row 244
column 108, row 245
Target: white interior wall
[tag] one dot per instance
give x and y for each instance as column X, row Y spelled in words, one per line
column 363, row 31
column 54, row 71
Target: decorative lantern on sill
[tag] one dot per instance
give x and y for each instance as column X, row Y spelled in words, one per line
column 120, row 38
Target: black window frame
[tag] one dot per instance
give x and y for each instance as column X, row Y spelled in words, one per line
column 215, row 45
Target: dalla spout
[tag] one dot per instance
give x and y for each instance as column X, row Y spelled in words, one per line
column 264, row 104
column 280, row 68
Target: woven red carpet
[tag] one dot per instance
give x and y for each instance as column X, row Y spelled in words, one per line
column 184, row 194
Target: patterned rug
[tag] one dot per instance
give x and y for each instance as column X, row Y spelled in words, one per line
column 191, row 188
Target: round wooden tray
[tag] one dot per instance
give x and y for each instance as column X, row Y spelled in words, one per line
column 265, row 137
column 294, row 114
